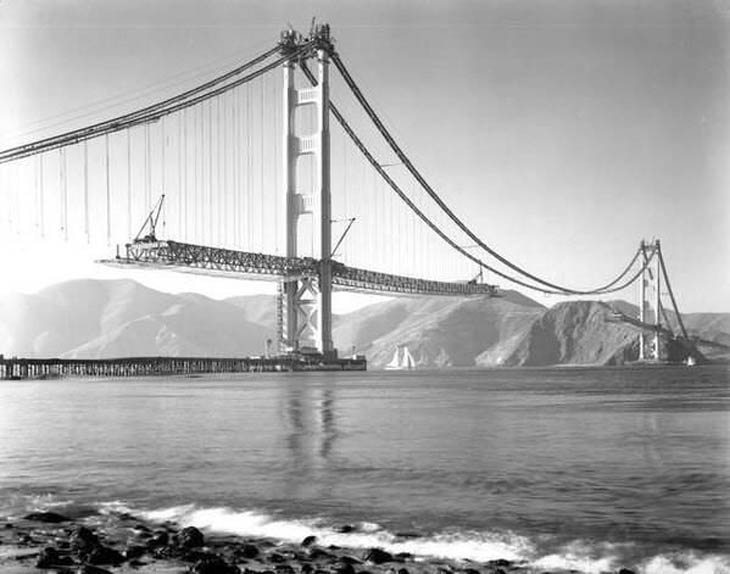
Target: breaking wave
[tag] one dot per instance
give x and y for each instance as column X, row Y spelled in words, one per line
column 588, row 557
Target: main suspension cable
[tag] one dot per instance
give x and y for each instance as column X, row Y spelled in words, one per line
column 155, row 111
column 424, row 184
column 394, row 186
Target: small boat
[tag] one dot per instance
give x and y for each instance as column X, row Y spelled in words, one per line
column 690, row 361
column 402, row 360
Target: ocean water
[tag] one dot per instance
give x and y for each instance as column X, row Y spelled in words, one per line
column 579, row 468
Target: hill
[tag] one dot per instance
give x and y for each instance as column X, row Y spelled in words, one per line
column 93, row 319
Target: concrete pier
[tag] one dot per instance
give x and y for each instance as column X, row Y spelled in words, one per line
column 16, row 368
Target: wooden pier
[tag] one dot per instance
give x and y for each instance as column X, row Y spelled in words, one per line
column 16, row 368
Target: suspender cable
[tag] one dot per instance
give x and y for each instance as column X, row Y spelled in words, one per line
column 64, row 192
column 129, row 182
column 184, row 175
column 41, row 208
column 86, row 191
column 262, row 157
column 220, row 163
column 180, row 167
column 162, row 157
column 210, row 172
column 108, row 192
column 147, row 169
column 249, row 175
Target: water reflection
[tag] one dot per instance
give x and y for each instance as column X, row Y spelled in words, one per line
column 329, row 428
column 309, row 421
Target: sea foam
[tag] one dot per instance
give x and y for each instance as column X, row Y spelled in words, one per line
column 584, row 556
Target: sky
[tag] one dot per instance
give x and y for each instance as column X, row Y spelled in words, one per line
column 562, row 132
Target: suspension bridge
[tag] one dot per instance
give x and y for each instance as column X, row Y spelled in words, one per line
column 260, row 173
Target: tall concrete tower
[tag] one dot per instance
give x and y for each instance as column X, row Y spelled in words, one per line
column 650, row 302
column 306, row 301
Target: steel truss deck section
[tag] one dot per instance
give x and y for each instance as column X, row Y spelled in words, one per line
column 187, row 255
column 174, row 253
column 365, row 280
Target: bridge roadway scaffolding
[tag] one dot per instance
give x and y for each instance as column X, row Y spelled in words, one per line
column 190, row 257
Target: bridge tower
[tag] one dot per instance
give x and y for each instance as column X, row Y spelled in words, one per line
column 650, row 302
column 305, row 303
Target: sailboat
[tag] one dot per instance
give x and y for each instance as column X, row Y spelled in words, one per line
column 402, row 359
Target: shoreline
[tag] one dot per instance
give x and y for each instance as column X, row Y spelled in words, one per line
column 120, row 543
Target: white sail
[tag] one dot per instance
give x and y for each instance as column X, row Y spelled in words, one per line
column 408, row 361
column 402, row 359
column 395, row 361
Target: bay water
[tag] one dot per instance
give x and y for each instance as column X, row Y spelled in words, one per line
column 584, row 468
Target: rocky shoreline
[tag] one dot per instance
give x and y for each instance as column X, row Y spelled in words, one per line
column 122, row 544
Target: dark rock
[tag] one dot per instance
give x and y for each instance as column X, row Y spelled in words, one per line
column 249, row 551
column 276, row 558
column 195, row 555
column 403, row 571
column 309, row 540
column 403, row 556
column 165, row 552
column 190, row 537
column 8, row 525
column 104, row 555
column 47, row 558
column 344, row 568
column 134, row 551
column 319, row 554
column 345, row 528
column 307, row 569
column 83, row 538
column 378, row 556
column 24, row 539
column 349, row 559
column 500, row 563
column 407, row 535
column 159, row 538
column 48, row 517
column 625, row 571
column 213, row 565
column 470, row 571
column 283, row 569
column 89, row 569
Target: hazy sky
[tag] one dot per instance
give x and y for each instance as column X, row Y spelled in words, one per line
column 563, row 132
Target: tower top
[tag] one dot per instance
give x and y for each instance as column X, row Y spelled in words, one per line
column 318, row 39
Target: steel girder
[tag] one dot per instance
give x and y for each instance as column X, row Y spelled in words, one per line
column 186, row 255
column 174, row 253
